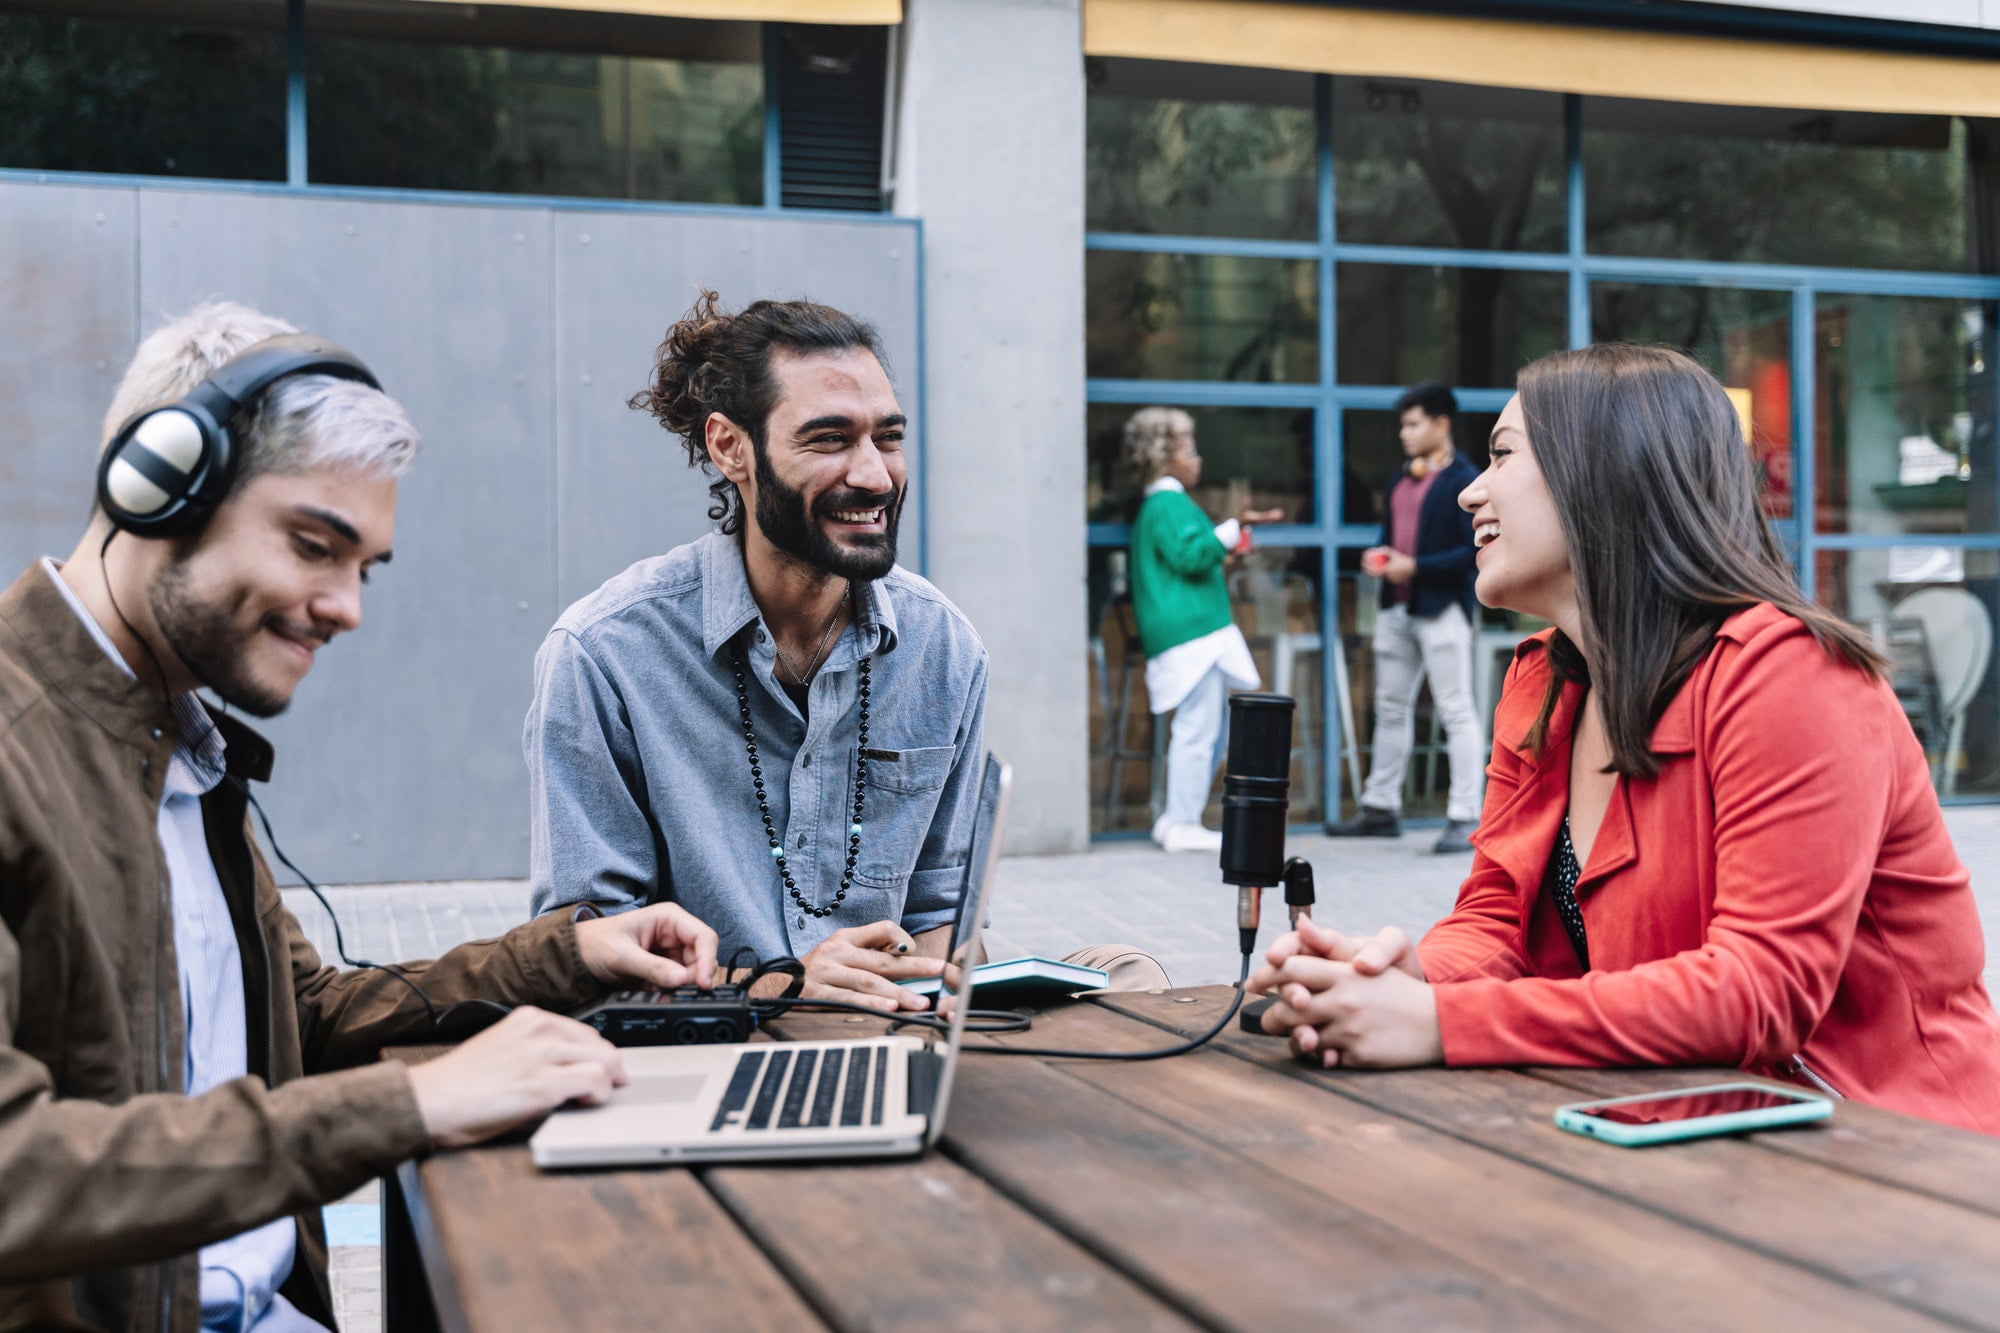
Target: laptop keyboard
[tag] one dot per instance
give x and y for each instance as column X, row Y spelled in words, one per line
column 775, row 1088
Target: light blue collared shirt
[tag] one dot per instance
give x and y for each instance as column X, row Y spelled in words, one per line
column 240, row 1276
column 640, row 777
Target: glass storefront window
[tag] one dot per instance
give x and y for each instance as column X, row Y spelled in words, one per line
column 1373, row 448
column 429, row 116
column 1200, row 317
column 142, row 98
column 1904, row 409
column 1741, row 336
column 1275, row 597
column 1906, row 403
column 1175, row 167
column 1262, row 456
column 1423, row 163
column 1469, row 327
column 1670, row 180
column 1924, row 607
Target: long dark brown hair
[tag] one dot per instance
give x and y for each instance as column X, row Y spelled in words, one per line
column 1644, row 456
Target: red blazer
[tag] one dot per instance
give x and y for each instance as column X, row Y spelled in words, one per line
column 1783, row 897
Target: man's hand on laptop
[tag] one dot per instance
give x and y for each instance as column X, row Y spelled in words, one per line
column 862, row 964
column 521, row 1068
column 660, row 946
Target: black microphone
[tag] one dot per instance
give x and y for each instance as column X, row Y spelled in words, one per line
column 1256, row 797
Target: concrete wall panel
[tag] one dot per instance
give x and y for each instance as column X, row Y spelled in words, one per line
column 992, row 158
column 68, row 275
column 624, row 488
column 400, row 757
column 514, row 336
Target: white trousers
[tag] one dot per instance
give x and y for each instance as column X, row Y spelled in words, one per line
column 1195, row 746
column 1407, row 649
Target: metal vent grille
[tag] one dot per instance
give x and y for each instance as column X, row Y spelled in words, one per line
column 830, row 108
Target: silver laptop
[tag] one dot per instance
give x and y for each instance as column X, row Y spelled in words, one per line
column 760, row 1101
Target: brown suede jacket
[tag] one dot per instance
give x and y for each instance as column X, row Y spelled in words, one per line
column 111, row 1178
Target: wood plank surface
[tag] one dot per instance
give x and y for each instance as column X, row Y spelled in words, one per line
column 607, row 1251
column 927, row 1245
column 1568, row 1243
column 1899, row 1150
column 1913, row 1249
column 1234, row 1243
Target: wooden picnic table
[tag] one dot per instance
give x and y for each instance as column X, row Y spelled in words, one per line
column 1230, row 1188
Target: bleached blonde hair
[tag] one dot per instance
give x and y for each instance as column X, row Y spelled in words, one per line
column 1149, row 439
column 304, row 421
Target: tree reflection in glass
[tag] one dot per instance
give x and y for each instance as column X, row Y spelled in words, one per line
column 1200, row 317
column 1207, row 153
column 1776, row 186
column 1444, row 164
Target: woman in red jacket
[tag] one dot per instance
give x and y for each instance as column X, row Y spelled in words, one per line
column 1709, row 834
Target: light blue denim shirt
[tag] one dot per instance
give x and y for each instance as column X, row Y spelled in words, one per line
column 640, row 779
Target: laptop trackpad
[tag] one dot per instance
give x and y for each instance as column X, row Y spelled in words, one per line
column 663, row 1089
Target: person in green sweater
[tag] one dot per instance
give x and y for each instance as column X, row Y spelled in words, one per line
column 1194, row 652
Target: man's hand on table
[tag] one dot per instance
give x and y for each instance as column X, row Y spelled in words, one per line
column 661, row 946
column 521, row 1068
column 862, row 964
column 1358, row 1002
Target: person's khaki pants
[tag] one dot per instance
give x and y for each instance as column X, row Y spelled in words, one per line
column 1407, row 650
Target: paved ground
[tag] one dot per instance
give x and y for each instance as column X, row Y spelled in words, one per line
column 1118, row 893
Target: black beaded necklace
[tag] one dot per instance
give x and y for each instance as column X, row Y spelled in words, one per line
column 764, row 806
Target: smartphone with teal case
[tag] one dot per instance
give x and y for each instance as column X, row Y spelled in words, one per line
column 1692, row 1113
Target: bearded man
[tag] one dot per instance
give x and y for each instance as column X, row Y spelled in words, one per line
column 774, row 726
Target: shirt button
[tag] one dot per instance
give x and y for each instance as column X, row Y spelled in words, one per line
column 760, row 636
column 157, row 733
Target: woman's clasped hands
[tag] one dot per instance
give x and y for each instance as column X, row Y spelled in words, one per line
column 1358, row 1002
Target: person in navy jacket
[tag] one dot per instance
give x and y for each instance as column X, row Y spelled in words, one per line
column 1426, row 623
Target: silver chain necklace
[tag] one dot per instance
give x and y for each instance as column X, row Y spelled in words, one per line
column 805, row 677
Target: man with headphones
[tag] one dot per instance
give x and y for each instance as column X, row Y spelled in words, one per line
column 166, row 1132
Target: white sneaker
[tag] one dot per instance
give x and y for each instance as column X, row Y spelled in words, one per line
column 1191, row 838
column 1160, row 827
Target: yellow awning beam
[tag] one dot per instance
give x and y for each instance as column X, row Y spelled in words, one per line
column 749, row 11
column 1605, row 62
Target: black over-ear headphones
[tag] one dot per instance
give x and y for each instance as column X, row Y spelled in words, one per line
column 167, row 468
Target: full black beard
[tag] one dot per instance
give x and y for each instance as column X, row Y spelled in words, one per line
column 211, row 643
column 788, row 521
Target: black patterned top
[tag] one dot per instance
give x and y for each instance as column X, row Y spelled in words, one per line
column 1559, row 880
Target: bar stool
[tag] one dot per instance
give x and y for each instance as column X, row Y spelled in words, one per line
column 1117, row 750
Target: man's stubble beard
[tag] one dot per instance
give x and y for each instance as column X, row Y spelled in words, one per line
column 210, row 643
column 787, row 522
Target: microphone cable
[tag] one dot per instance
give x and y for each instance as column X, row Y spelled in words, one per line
column 437, row 1017
column 431, row 1011
column 776, row 1006
column 1182, row 1048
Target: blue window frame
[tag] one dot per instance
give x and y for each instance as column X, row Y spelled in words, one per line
column 1330, row 398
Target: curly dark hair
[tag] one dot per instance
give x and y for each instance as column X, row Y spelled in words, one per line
column 713, row 361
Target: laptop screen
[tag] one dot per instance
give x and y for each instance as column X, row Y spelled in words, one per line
column 996, row 780
column 972, row 890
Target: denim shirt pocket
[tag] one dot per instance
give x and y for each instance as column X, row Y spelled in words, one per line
column 900, row 802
